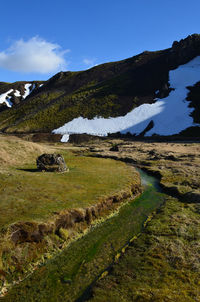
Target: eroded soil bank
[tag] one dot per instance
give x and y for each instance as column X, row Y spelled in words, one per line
column 64, row 227
column 68, row 275
column 41, row 213
column 163, row 264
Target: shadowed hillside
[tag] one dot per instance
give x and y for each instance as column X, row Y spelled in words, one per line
column 107, row 90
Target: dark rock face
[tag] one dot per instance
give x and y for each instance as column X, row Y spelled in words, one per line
column 3, row 107
column 46, row 137
column 148, row 127
column 82, row 138
column 185, row 50
column 51, row 163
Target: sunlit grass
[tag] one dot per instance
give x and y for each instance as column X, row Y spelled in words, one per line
column 27, row 194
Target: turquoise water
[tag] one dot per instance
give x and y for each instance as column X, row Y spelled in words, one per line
column 149, row 181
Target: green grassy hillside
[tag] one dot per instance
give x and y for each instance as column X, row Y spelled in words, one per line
column 107, row 90
column 111, row 89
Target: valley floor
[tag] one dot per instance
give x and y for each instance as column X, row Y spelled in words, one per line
column 41, row 213
column 176, row 164
column 162, row 264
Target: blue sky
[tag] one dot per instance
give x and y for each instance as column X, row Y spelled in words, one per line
column 40, row 38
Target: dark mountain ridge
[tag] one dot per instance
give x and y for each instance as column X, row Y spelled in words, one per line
column 108, row 90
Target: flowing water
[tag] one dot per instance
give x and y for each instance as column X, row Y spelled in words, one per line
column 149, row 181
column 70, row 275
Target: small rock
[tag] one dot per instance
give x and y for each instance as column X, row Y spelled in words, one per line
column 51, row 163
column 114, row 148
column 171, row 157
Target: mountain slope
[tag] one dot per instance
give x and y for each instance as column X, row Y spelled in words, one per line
column 13, row 93
column 107, row 90
column 166, row 116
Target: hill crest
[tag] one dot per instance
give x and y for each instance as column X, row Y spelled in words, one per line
column 108, row 90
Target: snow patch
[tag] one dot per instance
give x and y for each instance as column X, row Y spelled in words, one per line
column 175, row 116
column 170, row 115
column 102, row 126
column 5, row 98
column 17, row 93
column 65, row 138
column 28, row 90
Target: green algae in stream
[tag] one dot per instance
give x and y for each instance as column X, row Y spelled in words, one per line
column 85, row 259
column 162, row 264
column 148, row 198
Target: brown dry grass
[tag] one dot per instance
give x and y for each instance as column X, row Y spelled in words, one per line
column 29, row 196
column 177, row 164
column 15, row 151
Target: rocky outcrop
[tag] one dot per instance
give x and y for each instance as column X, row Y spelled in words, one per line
column 184, row 50
column 51, row 163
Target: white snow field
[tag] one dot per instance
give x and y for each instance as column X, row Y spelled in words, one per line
column 170, row 115
column 5, row 98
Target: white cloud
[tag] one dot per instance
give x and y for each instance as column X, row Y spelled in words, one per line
column 34, row 55
column 89, row 62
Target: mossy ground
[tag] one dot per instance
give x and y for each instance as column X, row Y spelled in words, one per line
column 28, row 195
column 163, row 264
column 176, row 164
column 65, row 277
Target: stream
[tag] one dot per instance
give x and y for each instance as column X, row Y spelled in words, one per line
column 152, row 189
column 148, row 180
column 70, row 275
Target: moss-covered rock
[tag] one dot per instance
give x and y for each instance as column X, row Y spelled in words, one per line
column 51, row 163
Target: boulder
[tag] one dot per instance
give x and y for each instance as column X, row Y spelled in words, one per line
column 51, row 163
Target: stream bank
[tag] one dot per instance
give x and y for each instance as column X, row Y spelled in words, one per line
column 67, row 276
